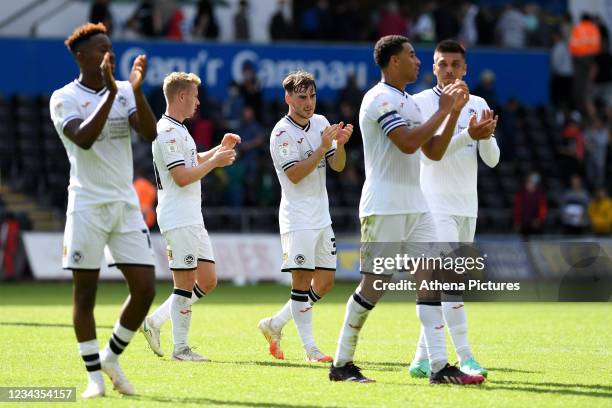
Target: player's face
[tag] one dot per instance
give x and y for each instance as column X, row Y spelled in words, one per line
column 448, row 66
column 408, row 63
column 190, row 101
column 91, row 53
column 303, row 102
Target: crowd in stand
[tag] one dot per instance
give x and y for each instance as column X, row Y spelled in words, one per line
column 580, row 87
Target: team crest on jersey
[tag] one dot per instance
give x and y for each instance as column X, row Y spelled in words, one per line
column 189, row 259
column 471, row 111
column 77, row 257
column 122, row 100
column 299, row 259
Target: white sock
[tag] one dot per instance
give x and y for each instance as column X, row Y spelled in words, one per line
column 357, row 310
column 301, row 310
column 456, row 320
column 180, row 314
column 282, row 317
column 117, row 343
column 162, row 313
column 91, row 356
column 433, row 328
column 421, row 350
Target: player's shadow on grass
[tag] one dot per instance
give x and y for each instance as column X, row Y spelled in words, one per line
column 584, row 390
column 284, row 363
column 512, row 370
column 46, row 325
column 216, row 402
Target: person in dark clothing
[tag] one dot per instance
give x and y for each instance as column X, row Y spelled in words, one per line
column 530, row 207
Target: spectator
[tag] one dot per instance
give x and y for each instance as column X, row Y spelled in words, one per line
column 348, row 16
column 530, row 207
column 316, row 22
column 572, row 150
column 149, row 19
column 446, row 21
column 391, row 21
column 253, row 138
column 232, row 107
column 486, row 88
column 250, row 89
column 511, row 28
column 351, row 92
column 174, row 26
column 241, row 22
column 561, row 74
column 485, row 25
column 574, row 205
column 468, row 35
column 597, row 138
column 424, row 29
column 147, row 196
column 280, row 26
column 600, row 212
column 205, row 24
column 584, row 45
column 100, row 13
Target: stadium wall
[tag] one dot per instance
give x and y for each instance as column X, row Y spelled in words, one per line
column 251, row 258
column 43, row 65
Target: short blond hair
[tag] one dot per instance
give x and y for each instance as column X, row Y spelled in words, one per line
column 178, row 81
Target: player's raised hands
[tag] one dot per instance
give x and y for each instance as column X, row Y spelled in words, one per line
column 328, row 135
column 448, row 98
column 344, row 133
column 107, row 72
column 483, row 128
column 230, row 140
column 224, row 156
column 139, row 68
column 462, row 91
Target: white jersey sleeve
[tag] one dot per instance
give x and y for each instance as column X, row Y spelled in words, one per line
column 284, row 149
column 170, row 148
column 64, row 108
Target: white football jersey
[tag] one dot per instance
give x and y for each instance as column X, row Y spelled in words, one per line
column 176, row 206
column 449, row 185
column 392, row 178
column 103, row 173
column 303, row 205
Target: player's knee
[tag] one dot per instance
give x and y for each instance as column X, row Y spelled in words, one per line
column 208, row 285
column 85, row 299
column 325, row 287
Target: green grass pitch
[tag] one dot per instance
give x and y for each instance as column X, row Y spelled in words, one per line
column 538, row 354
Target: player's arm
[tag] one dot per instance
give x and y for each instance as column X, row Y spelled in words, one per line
column 184, row 176
column 435, row 148
column 410, row 140
column 337, row 160
column 229, row 141
column 85, row 132
column 489, row 151
column 297, row 171
column 477, row 130
column 143, row 120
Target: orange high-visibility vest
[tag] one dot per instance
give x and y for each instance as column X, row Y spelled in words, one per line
column 585, row 40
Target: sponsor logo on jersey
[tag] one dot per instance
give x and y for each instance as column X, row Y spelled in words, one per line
column 86, row 104
column 305, row 309
column 170, row 129
column 439, row 327
column 280, row 132
column 302, row 139
column 299, row 259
